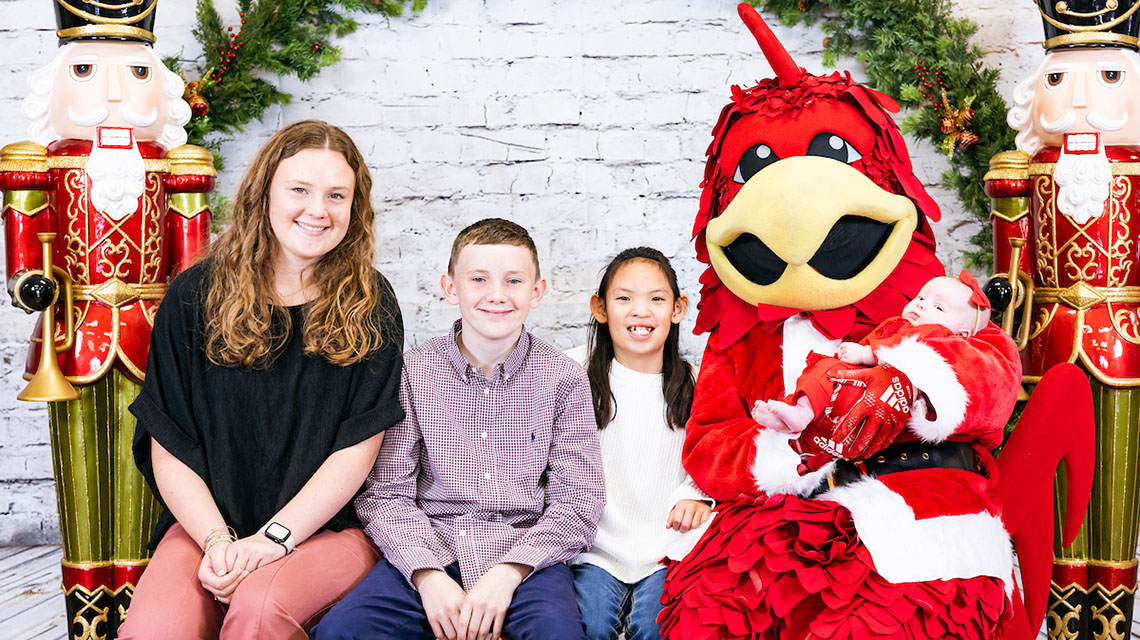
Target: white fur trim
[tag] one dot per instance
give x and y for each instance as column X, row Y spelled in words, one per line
column 775, row 466
column 801, row 337
column 930, row 373
column 908, row 550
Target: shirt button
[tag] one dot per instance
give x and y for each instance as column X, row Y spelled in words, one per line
column 486, row 391
column 483, row 435
column 462, row 532
column 486, row 476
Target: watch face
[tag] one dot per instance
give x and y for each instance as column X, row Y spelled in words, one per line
column 276, row 532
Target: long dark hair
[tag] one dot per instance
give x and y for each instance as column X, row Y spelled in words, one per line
column 676, row 373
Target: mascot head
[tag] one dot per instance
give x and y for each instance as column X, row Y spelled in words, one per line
column 809, row 205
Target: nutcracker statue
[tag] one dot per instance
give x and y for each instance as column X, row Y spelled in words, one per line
column 101, row 208
column 1064, row 227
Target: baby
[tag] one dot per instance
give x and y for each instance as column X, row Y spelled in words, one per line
column 945, row 307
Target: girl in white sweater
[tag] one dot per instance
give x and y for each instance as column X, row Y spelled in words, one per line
column 642, row 391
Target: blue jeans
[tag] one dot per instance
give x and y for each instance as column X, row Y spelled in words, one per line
column 384, row 606
column 610, row 606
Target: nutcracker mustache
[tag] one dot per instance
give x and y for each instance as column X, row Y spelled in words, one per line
column 1060, row 125
column 88, row 118
column 1100, row 122
column 99, row 114
column 1104, row 123
column 136, row 119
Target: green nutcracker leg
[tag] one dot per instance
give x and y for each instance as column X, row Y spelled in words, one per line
column 1094, row 579
column 1067, row 617
column 1114, row 511
column 106, row 511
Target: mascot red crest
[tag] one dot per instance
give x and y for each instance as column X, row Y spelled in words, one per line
column 816, row 231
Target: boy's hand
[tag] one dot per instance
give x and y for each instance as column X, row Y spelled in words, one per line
column 855, row 353
column 485, row 607
column 687, row 515
column 216, row 577
column 441, row 597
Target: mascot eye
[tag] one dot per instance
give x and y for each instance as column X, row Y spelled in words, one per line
column 140, row 72
column 754, row 159
column 82, row 71
column 1111, row 77
column 1054, row 79
column 830, row 145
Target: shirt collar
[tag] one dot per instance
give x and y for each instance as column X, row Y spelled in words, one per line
column 465, row 370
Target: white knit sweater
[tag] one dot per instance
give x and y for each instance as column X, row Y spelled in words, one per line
column 641, row 457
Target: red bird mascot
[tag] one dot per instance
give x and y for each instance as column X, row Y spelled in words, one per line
column 816, row 230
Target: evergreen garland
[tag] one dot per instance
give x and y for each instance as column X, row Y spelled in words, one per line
column 891, row 37
column 275, row 38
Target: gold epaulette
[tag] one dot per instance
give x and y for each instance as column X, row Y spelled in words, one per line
column 1009, row 165
column 24, row 156
column 191, row 160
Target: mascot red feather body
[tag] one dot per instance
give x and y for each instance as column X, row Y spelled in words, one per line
column 816, row 230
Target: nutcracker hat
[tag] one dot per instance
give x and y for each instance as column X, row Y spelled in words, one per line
column 129, row 20
column 1090, row 23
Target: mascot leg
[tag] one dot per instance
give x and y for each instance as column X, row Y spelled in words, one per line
column 102, row 511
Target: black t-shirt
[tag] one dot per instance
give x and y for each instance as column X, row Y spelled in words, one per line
column 257, row 435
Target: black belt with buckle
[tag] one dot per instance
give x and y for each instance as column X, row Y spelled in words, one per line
column 904, row 456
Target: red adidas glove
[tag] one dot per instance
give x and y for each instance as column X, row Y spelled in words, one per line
column 870, row 408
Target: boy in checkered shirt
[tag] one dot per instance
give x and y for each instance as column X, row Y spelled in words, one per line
column 494, row 478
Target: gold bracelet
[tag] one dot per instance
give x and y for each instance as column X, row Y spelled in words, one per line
column 220, row 530
column 215, row 540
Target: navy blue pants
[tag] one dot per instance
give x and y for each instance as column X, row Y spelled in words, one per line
column 383, row 605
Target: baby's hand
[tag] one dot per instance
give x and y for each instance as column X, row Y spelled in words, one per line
column 855, row 353
column 687, row 515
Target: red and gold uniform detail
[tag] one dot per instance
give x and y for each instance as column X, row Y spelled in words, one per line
column 1087, row 279
column 119, row 267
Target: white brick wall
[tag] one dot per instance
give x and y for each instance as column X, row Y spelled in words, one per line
column 584, row 120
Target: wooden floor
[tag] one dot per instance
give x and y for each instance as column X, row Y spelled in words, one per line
column 31, row 602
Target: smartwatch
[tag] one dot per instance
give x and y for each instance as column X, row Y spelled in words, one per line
column 280, row 534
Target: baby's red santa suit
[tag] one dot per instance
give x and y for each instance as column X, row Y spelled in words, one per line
column 816, row 230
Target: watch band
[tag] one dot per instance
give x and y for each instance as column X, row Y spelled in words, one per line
column 285, row 541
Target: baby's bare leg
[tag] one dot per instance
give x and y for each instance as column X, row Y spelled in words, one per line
column 795, row 417
column 763, row 415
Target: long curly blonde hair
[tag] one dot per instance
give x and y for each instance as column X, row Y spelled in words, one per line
column 243, row 325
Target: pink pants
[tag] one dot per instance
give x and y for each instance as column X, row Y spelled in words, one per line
column 277, row 601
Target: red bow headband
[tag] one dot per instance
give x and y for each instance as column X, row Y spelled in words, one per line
column 977, row 297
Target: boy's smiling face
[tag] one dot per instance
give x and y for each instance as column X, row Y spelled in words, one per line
column 495, row 287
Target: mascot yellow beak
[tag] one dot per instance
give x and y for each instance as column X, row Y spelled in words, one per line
column 810, row 233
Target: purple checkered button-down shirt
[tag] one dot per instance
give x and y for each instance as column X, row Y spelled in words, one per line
column 483, row 472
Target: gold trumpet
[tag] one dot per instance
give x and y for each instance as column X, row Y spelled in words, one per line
column 49, row 383
column 1022, row 285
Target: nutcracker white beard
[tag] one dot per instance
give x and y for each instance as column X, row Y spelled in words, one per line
column 118, row 178
column 1083, row 184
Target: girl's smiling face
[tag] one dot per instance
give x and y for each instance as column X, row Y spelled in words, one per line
column 638, row 311
column 310, row 203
